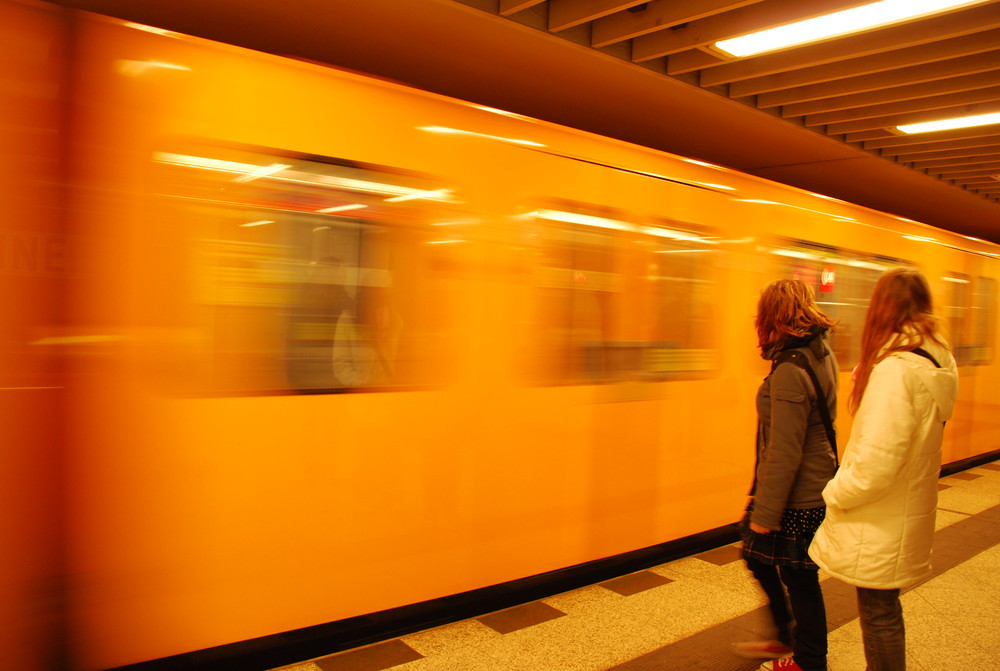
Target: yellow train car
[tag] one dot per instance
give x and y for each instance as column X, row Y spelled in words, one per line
column 336, row 348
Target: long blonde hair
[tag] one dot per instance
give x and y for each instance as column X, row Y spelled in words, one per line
column 786, row 309
column 900, row 319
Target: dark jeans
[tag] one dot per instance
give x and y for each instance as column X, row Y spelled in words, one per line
column 800, row 616
column 882, row 630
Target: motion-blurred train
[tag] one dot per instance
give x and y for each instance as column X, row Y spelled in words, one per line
column 286, row 347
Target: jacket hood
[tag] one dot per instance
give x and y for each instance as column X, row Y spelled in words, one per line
column 814, row 339
column 942, row 383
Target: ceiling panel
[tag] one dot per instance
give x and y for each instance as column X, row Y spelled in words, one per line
column 854, row 89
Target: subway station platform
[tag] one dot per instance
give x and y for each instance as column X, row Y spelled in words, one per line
column 686, row 614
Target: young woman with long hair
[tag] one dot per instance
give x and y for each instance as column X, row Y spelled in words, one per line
column 796, row 457
column 882, row 503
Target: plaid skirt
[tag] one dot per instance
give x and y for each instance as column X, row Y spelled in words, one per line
column 789, row 545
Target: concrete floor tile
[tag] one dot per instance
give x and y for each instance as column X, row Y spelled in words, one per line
column 451, row 637
column 947, row 518
column 589, row 597
column 963, row 499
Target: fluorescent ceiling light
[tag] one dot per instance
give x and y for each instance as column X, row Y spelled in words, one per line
column 257, row 223
column 874, row 15
column 948, row 124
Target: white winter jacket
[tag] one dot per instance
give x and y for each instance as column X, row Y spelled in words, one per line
column 882, row 503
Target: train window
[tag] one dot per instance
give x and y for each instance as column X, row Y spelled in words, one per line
column 310, row 275
column 843, row 283
column 617, row 300
column 983, row 320
column 580, row 290
column 675, row 295
column 956, row 312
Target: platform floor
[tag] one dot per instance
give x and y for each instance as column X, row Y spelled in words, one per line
column 686, row 614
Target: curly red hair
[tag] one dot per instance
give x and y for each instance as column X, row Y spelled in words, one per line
column 786, row 309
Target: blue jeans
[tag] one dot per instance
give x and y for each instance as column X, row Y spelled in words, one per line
column 800, row 617
column 882, row 630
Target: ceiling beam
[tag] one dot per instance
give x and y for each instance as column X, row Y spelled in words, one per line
column 941, row 137
column 942, row 146
column 984, row 181
column 958, row 169
column 917, row 33
column 739, row 21
column 565, row 14
column 951, row 100
column 901, row 119
column 660, row 17
column 508, row 7
column 955, row 47
column 973, row 173
column 957, row 162
column 955, row 153
column 876, row 81
column 865, row 136
column 895, row 94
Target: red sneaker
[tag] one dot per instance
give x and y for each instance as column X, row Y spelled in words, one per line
column 762, row 649
column 783, row 664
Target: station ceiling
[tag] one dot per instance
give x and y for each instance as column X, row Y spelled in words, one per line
column 820, row 116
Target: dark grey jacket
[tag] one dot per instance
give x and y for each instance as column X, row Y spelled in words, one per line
column 794, row 456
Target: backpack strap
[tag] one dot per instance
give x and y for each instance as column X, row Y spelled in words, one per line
column 927, row 355
column 799, row 359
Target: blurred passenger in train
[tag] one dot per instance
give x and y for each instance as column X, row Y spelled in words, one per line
column 322, row 300
column 796, row 457
column 367, row 338
column 882, row 503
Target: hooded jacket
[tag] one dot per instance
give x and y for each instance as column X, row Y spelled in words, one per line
column 794, row 456
column 881, row 505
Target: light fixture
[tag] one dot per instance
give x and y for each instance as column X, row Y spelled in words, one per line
column 949, row 124
column 257, row 223
column 857, row 19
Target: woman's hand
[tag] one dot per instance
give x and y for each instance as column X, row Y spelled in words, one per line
column 756, row 528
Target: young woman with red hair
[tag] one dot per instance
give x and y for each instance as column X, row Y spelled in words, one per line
column 796, row 457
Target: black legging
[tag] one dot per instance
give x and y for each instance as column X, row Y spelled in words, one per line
column 803, row 606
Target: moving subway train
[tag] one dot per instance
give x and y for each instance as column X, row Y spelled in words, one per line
column 287, row 346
